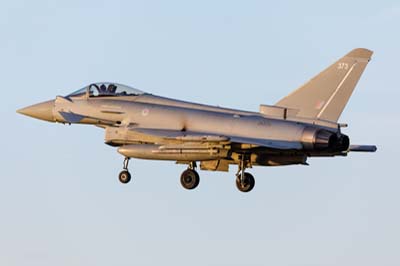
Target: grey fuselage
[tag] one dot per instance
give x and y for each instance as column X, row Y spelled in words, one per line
column 120, row 114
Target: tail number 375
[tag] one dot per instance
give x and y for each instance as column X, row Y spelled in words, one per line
column 344, row 66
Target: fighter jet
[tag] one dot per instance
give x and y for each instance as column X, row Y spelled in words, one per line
column 142, row 125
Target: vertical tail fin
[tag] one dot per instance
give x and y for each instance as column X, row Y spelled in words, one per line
column 325, row 96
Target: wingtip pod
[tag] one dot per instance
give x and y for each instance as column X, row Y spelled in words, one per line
column 360, row 53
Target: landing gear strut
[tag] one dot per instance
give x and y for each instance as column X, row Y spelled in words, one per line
column 190, row 179
column 124, row 177
column 244, row 181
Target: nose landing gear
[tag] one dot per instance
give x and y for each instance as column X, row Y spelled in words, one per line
column 124, row 177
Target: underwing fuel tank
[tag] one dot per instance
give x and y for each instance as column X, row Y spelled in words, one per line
column 160, row 152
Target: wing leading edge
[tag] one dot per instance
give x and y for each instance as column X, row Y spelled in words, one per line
column 167, row 136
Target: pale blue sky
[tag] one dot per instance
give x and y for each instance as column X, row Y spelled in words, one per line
column 61, row 202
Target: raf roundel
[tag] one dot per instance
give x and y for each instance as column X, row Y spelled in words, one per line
column 145, row 112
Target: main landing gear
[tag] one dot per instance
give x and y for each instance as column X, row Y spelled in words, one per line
column 124, row 177
column 190, row 179
column 244, row 181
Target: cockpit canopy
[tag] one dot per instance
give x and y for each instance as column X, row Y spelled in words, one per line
column 106, row 89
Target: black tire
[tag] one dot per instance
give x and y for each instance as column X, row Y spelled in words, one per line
column 124, row 177
column 248, row 183
column 190, row 179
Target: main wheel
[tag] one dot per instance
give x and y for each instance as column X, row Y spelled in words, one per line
column 124, row 177
column 248, row 183
column 190, row 179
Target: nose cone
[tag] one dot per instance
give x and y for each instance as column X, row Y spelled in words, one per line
column 43, row 111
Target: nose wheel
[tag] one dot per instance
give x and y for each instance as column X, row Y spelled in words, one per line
column 124, row 177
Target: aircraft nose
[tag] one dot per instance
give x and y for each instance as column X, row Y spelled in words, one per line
column 43, row 111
